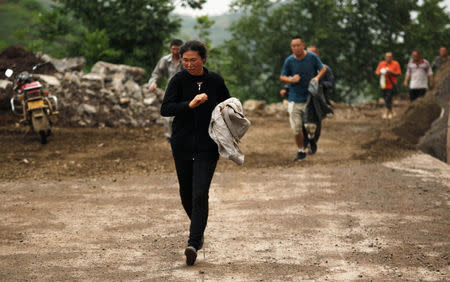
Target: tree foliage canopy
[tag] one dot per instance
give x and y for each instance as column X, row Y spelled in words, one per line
column 120, row 31
column 352, row 36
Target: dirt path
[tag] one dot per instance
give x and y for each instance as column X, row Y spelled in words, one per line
column 350, row 137
column 105, row 206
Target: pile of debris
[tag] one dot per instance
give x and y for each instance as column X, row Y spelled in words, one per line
column 109, row 96
column 260, row 108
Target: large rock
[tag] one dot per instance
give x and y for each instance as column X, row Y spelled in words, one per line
column 150, row 101
column 132, row 89
column 146, row 93
column 254, row 105
column 4, row 84
column 117, row 82
column 66, row 64
column 108, row 69
column 124, row 101
column 73, row 78
column 89, row 109
column 93, row 81
column 49, row 80
column 276, row 109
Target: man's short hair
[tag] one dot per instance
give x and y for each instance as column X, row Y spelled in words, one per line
column 194, row 45
column 296, row 37
column 176, row 42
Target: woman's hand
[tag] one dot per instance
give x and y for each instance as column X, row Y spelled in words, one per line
column 198, row 100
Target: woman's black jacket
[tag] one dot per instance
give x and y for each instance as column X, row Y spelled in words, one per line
column 190, row 138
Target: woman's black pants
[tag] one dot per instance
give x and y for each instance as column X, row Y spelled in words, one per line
column 194, row 177
column 387, row 96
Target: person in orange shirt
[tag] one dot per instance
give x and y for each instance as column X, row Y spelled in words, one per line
column 388, row 71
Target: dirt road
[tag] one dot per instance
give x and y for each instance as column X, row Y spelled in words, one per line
column 104, row 206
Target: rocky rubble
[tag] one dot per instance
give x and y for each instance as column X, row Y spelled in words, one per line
column 109, row 96
column 66, row 64
column 259, row 107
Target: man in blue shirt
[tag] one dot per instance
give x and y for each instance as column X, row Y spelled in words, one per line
column 298, row 70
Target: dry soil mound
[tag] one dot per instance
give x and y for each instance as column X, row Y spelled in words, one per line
column 417, row 119
column 19, row 59
column 435, row 140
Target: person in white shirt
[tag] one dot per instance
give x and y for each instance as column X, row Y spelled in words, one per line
column 417, row 74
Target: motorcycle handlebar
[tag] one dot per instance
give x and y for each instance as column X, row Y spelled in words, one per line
column 11, row 72
column 39, row 65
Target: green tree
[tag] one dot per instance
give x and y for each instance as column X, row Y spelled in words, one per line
column 96, row 46
column 430, row 30
column 130, row 32
column 352, row 35
column 202, row 26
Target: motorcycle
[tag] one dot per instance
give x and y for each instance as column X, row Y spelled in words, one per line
column 36, row 106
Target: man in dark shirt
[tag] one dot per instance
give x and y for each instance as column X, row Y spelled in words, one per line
column 327, row 85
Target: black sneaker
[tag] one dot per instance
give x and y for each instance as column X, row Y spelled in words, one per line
column 313, row 146
column 191, row 255
column 300, row 156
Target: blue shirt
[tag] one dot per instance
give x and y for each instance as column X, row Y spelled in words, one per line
column 307, row 68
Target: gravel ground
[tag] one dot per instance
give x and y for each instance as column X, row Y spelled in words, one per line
column 103, row 204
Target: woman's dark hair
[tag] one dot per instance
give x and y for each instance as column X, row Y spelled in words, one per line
column 194, row 45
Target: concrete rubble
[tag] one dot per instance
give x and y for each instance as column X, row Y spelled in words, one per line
column 109, row 96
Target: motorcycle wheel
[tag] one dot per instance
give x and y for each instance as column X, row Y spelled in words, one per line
column 40, row 124
column 43, row 135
